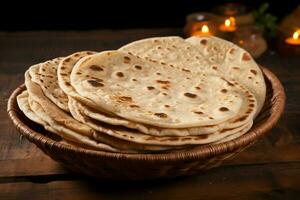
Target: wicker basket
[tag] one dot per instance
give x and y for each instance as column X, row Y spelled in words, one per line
column 108, row 165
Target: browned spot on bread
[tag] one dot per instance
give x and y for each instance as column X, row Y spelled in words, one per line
column 167, row 106
column 253, row 71
column 134, row 106
column 95, row 83
column 68, row 83
column 186, row 70
column 161, row 115
column 96, row 68
column 125, row 98
column 171, row 65
column 63, row 74
column 236, row 68
column 89, row 53
column 87, row 75
column 68, row 60
column 215, row 67
column 251, row 105
column 156, row 41
column 211, row 118
column 163, row 63
column 198, row 88
column 198, row 112
column 133, row 79
column 231, row 51
column 159, row 47
column 230, row 84
column 249, row 77
column 165, row 94
column 223, row 90
column 76, row 55
column 190, row 95
column 43, row 69
column 63, row 68
column 120, row 74
column 42, row 80
column 162, row 82
column 126, row 59
column 138, row 67
column 151, row 88
column 78, row 73
column 158, row 73
column 201, row 137
column 223, row 109
column 252, row 100
column 165, row 87
column 246, row 57
column 203, row 42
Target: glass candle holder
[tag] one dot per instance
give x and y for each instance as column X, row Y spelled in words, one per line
column 200, row 23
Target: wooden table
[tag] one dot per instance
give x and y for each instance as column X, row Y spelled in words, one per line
column 270, row 169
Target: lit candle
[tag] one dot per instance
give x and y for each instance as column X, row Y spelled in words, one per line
column 295, row 39
column 203, row 31
column 229, row 25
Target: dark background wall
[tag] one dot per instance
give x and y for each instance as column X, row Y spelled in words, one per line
column 79, row 15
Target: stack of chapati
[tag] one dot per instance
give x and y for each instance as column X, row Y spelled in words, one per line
column 152, row 95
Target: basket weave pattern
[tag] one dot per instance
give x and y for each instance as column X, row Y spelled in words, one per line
column 150, row 166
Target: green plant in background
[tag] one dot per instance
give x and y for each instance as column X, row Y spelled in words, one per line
column 265, row 21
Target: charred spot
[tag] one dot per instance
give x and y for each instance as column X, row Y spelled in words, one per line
column 198, row 112
column 134, row 106
column 246, row 57
column 126, row 59
column 120, row 74
column 138, row 67
column 163, row 63
column 165, row 87
column 43, row 69
column 76, row 55
column 133, row 79
column 211, row 118
column 215, row 67
column 95, row 83
column 231, row 51
column 165, row 94
column 190, row 95
column 186, row 70
column 236, row 68
column 63, row 74
column 249, row 77
column 251, row 105
column 161, row 115
column 151, row 88
column 125, row 98
column 68, row 83
column 68, row 60
column 162, row 82
column 159, row 47
column 89, row 53
column 158, row 73
column 96, row 68
column 253, row 71
column 97, row 79
column 223, row 90
column 61, row 68
column 198, row 88
column 167, row 106
column 223, row 109
column 203, row 42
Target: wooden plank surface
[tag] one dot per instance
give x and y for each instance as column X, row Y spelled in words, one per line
column 267, row 170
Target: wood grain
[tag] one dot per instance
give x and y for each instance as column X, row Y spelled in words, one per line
column 270, row 169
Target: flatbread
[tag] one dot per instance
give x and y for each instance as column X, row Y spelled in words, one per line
column 44, row 74
column 210, row 55
column 234, row 62
column 146, row 92
column 134, row 136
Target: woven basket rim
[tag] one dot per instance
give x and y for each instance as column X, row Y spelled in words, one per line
column 201, row 152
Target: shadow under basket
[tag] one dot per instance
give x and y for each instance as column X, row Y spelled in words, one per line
column 124, row 166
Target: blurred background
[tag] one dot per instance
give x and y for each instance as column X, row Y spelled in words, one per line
column 82, row 15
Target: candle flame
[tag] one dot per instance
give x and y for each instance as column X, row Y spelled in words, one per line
column 205, row 29
column 296, row 35
column 230, row 22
